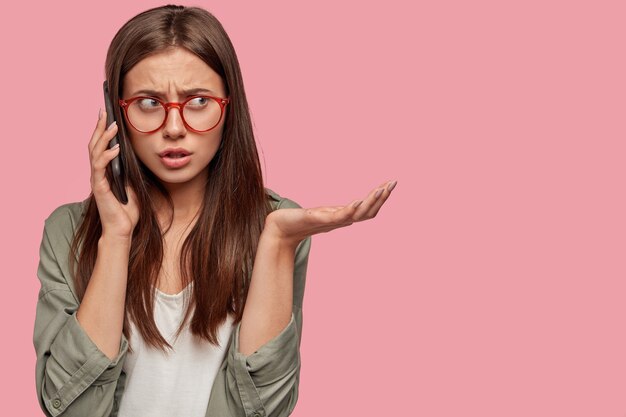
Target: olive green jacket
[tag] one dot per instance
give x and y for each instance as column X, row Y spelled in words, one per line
column 75, row 378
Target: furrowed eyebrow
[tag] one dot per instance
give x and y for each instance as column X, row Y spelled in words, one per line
column 189, row 92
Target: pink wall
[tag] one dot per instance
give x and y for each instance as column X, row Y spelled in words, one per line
column 492, row 281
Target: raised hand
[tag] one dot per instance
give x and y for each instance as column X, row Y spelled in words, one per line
column 292, row 225
column 117, row 219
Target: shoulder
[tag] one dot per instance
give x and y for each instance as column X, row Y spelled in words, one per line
column 63, row 219
column 59, row 230
column 279, row 201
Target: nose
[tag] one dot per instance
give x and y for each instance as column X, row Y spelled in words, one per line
column 174, row 125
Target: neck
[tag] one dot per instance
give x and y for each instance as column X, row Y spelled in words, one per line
column 187, row 198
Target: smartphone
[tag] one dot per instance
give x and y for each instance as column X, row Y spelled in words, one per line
column 115, row 169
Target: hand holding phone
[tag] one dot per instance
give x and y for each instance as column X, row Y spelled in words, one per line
column 118, row 217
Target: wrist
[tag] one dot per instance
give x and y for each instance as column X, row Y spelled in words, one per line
column 272, row 236
column 113, row 239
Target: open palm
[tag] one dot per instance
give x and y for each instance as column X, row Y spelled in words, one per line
column 294, row 224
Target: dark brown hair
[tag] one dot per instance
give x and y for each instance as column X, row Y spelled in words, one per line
column 218, row 254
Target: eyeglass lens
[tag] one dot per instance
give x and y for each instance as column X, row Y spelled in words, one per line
column 201, row 113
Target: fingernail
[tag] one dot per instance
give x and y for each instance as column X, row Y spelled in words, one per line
column 111, row 125
column 378, row 193
column 99, row 113
column 358, row 203
column 392, row 185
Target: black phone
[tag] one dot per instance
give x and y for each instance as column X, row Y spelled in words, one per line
column 115, row 169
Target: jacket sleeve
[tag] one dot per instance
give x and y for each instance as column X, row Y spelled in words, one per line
column 73, row 376
column 265, row 383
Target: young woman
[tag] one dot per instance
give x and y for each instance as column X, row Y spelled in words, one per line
column 187, row 300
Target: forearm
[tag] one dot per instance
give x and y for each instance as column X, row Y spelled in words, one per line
column 269, row 303
column 101, row 312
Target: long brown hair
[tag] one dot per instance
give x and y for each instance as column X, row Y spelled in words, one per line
column 221, row 247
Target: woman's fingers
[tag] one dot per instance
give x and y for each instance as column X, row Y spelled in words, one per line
column 359, row 203
column 103, row 143
column 100, row 156
column 97, row 132
column 378, row 203
column 358, row 209
column 99, row 181
column 100, row 148
column 102, row 135
column 373, row 202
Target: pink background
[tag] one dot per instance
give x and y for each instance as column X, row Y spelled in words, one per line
column 492, row 282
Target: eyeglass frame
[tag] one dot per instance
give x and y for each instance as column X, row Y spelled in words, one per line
column 125, row 103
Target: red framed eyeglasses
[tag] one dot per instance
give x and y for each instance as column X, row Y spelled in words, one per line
column 200, row 113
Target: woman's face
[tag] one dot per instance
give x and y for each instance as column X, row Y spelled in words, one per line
column 171, row 73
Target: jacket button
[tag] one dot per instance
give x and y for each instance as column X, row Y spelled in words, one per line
column 256, row 414
column 56, row 403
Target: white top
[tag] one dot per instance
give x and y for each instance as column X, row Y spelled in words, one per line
column 177, row 383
